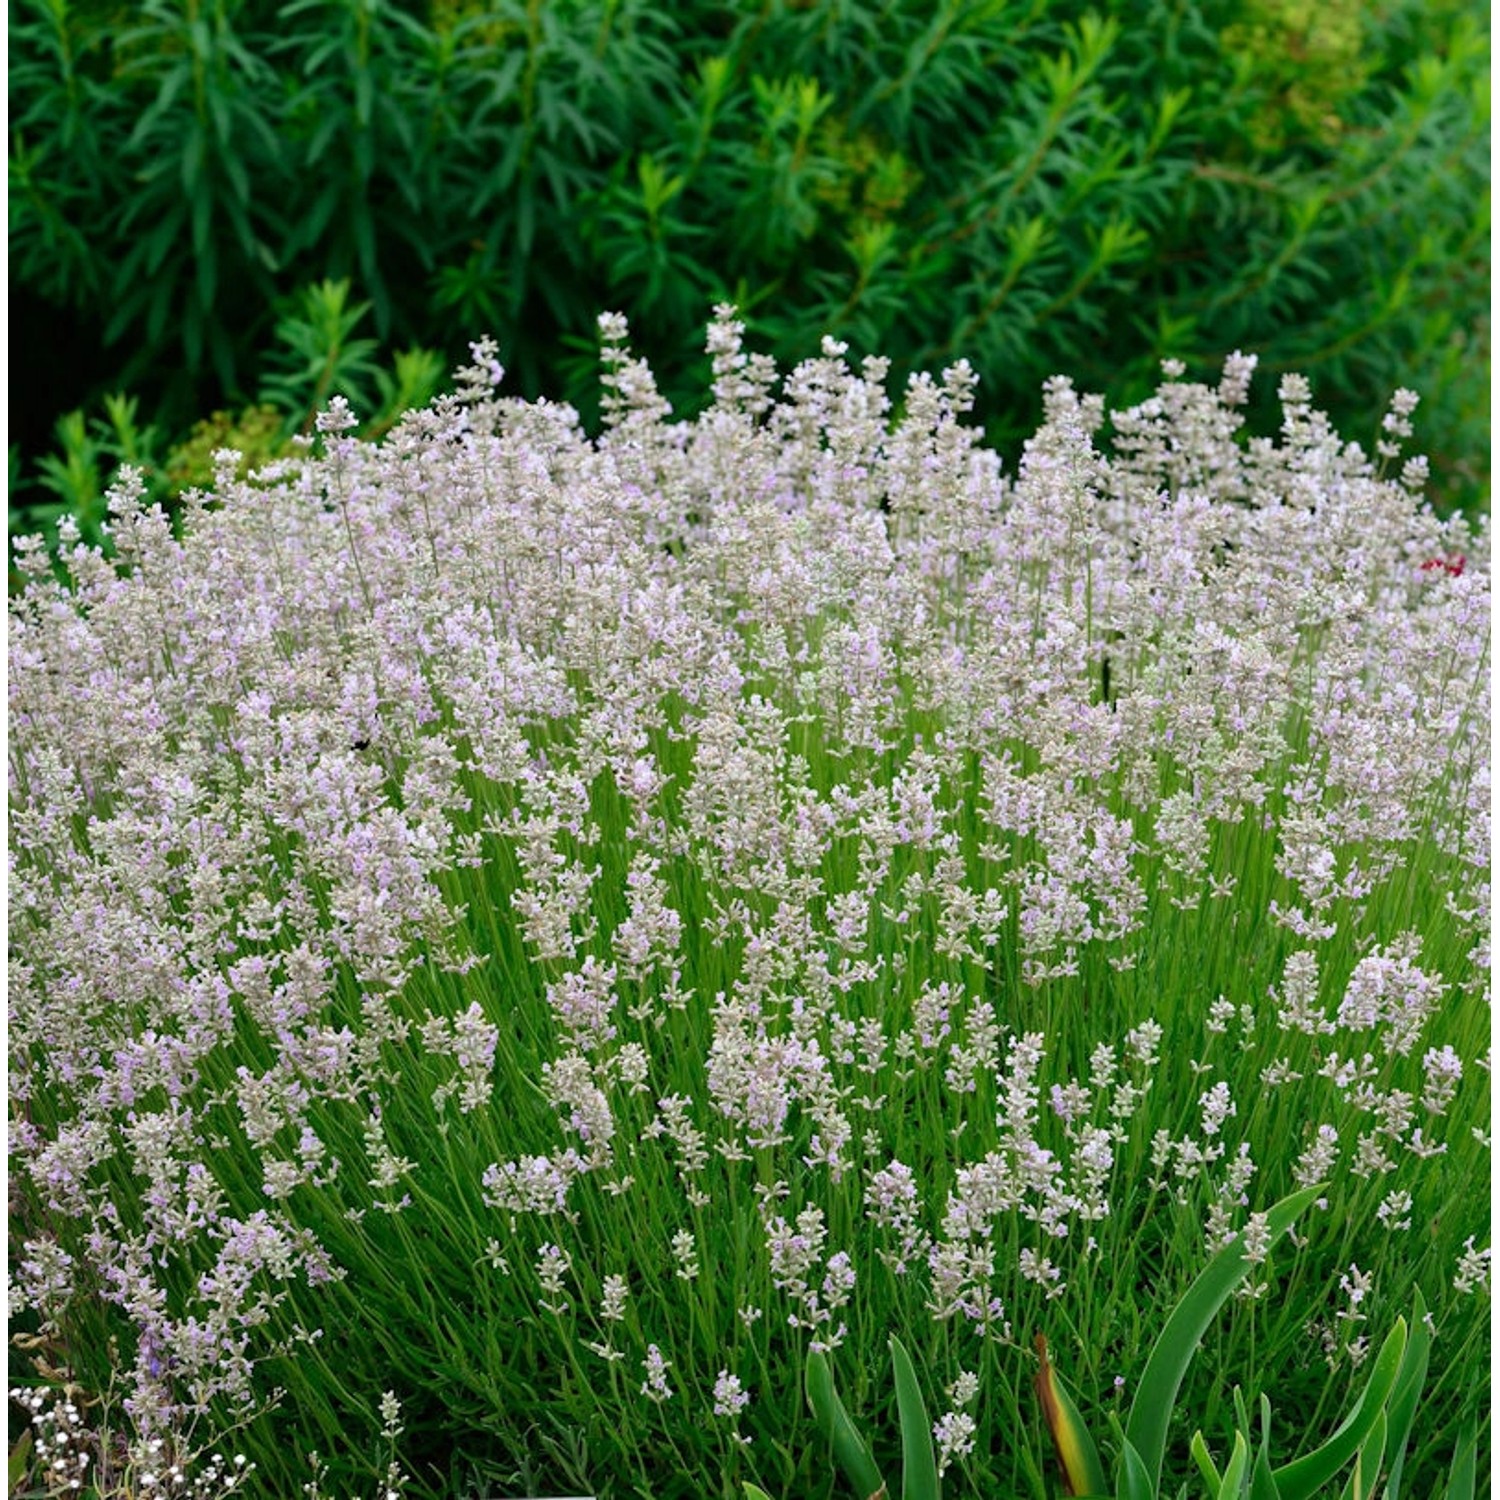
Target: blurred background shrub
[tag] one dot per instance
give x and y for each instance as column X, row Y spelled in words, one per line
column 238, row 207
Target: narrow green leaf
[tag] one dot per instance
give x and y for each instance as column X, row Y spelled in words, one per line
column 1361, row 1482
column 208, row 278
column 1263, row 1484
column 1241, row 1412
column 19, row 1462
column 1402, row 1409
column 1157, row 1392
column 1234, row 1471
column 191, row 165
column 234, row 170
column 525, row 219
column 1134, row 1482
column 164, row 236
column 203, row 219
column 363, row 226
column 1206, row 1466
column 1306, row 1476
column 919, row 1477
column 1461, row 1475
column 754, row 1491
column 849, row 1449
column 218, row 107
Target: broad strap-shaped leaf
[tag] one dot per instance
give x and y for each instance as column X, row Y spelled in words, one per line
column 1156, row 1394
column 1083, row 1474
column 919, row 1476
column 849, row 1448
column 1307, row 1476
column 754, row 1491
column 1401, row 1411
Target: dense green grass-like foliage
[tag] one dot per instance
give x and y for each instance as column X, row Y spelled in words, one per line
column 1040, row 185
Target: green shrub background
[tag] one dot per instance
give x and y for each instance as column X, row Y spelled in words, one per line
column 234, row 203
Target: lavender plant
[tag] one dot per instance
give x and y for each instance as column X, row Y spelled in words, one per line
column 541, row 935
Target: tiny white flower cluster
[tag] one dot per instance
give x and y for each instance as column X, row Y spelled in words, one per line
column 68, row 1456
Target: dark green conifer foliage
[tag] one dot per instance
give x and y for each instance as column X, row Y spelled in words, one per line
column 1040, row 186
